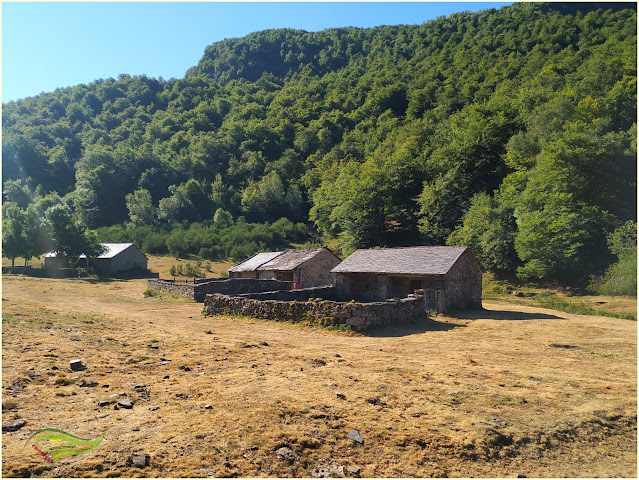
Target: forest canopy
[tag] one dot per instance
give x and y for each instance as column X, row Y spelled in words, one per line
column 511, row 131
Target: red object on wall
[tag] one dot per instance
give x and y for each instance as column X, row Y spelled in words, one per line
column 296, row 285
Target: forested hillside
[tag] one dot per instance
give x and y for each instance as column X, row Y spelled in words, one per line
column 512, row 131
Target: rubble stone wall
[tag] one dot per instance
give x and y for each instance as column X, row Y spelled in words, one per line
column 232, row 286
column 359, row 316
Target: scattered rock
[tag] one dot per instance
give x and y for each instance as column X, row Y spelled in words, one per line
column 317, row 362
column 67, row 330
column 209, row 332
column 559, row 345
column 287, row 454
column 4, row 299
column 54, row 368
column 337, row 355
column 353, row 470
column 76, row 365
column 140, row 460
column 104, row 403
column 208, row 407
column 166, row 377
column 355, row 436
column 264, row 344
column 125, row 403
column 153, row 346
column 185, row 368
column 13, row 425
column 82, row 383
column 340, row 395
column 374, row 401
column 516, row 293
column 106, row 385
column 520, row 475
column 153, row 409
column 328, row 470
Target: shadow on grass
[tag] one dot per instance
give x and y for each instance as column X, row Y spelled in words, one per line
column 502, row 315
column 422, row 325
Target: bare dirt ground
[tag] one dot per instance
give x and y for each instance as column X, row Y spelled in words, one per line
column 511, row 389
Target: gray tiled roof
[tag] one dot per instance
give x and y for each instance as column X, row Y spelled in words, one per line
column 405, row 260
column 252, row 263
column 112, row 249
column 290, row 259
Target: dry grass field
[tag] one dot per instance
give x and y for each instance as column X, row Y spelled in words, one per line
column 511, row 389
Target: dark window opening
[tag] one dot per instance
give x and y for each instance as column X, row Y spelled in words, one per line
column 415, row 285
column 285, row 276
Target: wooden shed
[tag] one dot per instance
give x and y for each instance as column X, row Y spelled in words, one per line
column 118, row 257
column 449, row 276
column 308, row 267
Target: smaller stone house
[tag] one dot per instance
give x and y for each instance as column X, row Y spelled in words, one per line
column 248, row 268
column 118, row 257
column 449, row 276
column 305, row 268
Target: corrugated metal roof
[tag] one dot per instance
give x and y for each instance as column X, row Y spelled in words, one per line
column 290, row 259
column 112, row 249
column 405, row 260
column 252, row 263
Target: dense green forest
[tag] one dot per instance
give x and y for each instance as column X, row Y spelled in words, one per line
column 512, row 131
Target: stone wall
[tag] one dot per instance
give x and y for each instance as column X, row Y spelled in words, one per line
column 231, row 286
column 359, row 316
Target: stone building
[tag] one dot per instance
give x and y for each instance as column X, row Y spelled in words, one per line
column 248, row 268
column 449, row 276
column 118, row 257
column 305, row 268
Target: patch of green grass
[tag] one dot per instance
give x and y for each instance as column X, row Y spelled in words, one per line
column 550, row 300
column 153, row 292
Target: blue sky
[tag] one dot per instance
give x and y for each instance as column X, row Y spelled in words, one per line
column 50, row 45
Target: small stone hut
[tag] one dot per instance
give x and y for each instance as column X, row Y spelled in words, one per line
column 118, row 257
column 449, row 276
column 305, row 268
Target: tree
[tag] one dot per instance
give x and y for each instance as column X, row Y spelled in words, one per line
column 621, row 277
column 14, row 191
column 69, row 237
column 13, row 235
column 141, row 209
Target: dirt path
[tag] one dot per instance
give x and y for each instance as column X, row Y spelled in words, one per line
column 509, row 389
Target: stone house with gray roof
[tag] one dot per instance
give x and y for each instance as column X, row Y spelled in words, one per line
column 449, row 276
column 305, row 268
column 117, row 257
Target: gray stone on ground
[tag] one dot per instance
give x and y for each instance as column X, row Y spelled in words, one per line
column 353, row 470
column 340, row 395
column 153, row 409
column 140, row 460
column 287, row 454
column 82, row 383
column 328, row 470
column 13, row 425
column 355, row 436
column 76, row 365
column 125, row 403
column 104, row 403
